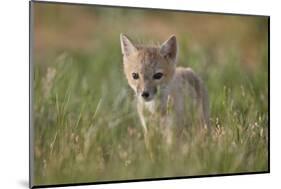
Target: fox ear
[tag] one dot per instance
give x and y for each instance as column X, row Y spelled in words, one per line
column 127, row 46
column 169, row 48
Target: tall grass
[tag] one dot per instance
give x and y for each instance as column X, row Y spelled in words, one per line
column 86, row 126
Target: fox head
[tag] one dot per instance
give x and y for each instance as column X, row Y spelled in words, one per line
column 148, row 68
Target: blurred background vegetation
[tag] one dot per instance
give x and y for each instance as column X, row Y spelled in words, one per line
column 85, row 124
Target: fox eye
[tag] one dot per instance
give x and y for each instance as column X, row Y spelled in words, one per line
column 135, row 75
column 158, row 75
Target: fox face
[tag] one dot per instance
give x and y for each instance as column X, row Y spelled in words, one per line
column 148, row 69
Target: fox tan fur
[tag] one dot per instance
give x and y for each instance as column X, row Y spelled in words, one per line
column 161, row 88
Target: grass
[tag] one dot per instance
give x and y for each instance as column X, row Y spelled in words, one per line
column 85, row 123
column 86, row 126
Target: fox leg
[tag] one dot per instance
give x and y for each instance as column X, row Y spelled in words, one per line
column 142, row 119
column 144, row 126
column 203, row 109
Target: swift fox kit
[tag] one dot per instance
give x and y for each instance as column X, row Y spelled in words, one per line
column 162, row 89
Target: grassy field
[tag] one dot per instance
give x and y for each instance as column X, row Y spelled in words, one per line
column 86, row 127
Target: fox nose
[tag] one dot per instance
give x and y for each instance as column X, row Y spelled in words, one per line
column 145, row 94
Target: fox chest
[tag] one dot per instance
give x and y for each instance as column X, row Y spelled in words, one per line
column 159, row 107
